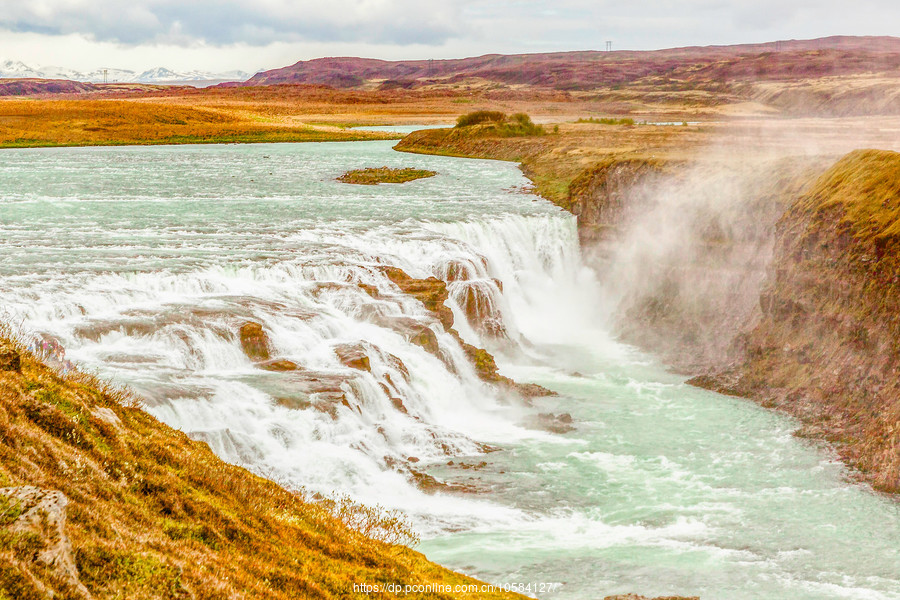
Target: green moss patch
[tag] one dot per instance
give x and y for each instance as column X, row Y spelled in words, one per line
column 376, row 175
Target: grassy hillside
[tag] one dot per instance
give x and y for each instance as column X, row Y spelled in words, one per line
column 154, row 515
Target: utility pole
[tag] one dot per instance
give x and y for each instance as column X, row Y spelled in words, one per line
column 609, row 45
column 105, row 76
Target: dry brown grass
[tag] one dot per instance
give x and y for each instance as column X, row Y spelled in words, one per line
column 278, row 113
column 27, row 123
column 154, row 514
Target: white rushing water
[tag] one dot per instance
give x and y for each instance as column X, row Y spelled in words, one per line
column 143, row 263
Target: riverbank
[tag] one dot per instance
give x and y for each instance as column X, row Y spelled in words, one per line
column 55, row 123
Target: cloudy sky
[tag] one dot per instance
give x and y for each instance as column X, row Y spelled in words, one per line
column 251, row 35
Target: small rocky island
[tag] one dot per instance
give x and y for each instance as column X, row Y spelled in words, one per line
column 376, row 175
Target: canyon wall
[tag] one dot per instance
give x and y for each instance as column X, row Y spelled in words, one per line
column 683, row 248
column 782, row 287
column 827, row 348
column 770, row 278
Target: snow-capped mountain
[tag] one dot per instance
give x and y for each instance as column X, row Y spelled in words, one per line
column 10, row 68
column 17, row 69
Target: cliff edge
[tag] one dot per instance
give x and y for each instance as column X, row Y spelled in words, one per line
column 827, row 346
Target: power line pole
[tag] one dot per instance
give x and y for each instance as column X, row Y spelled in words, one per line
column 609, row 45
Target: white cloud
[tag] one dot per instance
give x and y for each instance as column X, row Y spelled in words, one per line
column 222, row 22
column 254, row 34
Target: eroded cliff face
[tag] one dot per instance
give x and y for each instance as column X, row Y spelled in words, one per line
column 683, row 248
column 827, row 346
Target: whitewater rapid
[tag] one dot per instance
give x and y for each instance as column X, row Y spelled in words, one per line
column 143, row 263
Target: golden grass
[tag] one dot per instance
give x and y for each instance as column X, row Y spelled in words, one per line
column 154, row 514
column 154, row 115
column 554, row 160
column 865, row 187
column 29, row 123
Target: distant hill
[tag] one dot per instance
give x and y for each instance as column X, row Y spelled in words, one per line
column 587, row 70
column 37, row 87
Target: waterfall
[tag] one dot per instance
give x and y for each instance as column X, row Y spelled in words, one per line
column 172, row 336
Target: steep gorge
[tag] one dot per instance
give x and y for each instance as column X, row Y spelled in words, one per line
column 772, row 278
column 790, row 300
column 826, row 347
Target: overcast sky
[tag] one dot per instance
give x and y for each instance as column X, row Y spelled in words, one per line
column 251, row 35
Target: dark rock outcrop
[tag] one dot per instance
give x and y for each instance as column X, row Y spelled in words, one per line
column 426, row 339
column 431, row 292
column 354, row 356
column 254, row 341
column 42, row 518
column 278, row 365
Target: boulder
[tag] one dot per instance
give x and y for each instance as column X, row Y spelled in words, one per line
column 533, row 390
column 554, row 423
column 426, row 339
column 370, row 290
column 9, row 358
column 42, row 513
column 415, row 331
column 353, row 356
column 279, row 365
column 398, row 404
column 254, row 341
column 431, row 485
column 107, row 415
column 431, row 292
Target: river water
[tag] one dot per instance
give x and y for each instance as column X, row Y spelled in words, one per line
column 144, row 262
